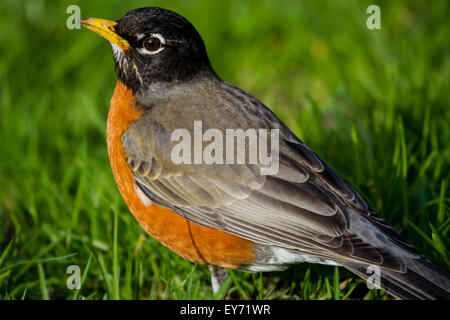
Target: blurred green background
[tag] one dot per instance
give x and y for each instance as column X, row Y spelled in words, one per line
column 372, row 103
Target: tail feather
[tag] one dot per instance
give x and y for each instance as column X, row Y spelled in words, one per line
column 421, row 281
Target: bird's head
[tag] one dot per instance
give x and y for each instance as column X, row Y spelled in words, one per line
column 153, row 45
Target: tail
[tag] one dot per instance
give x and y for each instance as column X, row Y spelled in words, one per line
column 421, row 280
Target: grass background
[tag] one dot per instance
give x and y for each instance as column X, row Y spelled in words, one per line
column 373, row 103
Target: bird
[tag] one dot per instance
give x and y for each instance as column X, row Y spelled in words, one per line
column 229, row 214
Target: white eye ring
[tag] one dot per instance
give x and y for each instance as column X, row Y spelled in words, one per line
column 143, row 50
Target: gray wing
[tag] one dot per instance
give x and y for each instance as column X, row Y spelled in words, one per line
column 306, row 207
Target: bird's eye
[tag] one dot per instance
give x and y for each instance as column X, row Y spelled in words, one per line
column 153, row 44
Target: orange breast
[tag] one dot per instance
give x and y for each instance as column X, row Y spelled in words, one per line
column 191, row 241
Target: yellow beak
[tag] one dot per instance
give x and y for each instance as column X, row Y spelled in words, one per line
column 105, row 28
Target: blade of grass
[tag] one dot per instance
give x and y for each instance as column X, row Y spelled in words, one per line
column 32, row 261
column 238, row 286
column 116, row 268
column 260, row 287
column 42, row 281
column 106, row 275
column 438, row 243
column 441, row 208
column 336, row 282
column 349, row 292
column 6, row 251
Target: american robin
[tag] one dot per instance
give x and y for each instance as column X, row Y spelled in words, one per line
column 229, row 214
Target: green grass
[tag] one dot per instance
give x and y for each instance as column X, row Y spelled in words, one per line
column 373, row 103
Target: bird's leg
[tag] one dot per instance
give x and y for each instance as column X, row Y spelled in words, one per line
column 218, row 276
